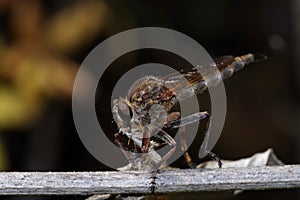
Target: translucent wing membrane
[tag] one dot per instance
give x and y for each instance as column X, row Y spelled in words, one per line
column 200, row 78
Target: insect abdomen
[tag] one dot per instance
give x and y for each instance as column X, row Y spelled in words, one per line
column 226, row 70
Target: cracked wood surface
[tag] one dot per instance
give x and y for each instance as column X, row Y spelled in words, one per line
column 138, row 182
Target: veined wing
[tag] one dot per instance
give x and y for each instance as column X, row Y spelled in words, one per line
column 222, row 68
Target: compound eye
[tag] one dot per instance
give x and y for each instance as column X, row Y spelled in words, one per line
column 126, row 112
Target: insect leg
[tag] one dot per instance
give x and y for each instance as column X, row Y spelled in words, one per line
column 193, row 118
column 122, row 147
column 173, row 119
column 146, row 140
column 153, row 182
column 170, row 141
column 184, row 148
column 203, row 147
column 196, row 117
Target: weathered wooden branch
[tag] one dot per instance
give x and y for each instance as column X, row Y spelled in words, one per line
column 83, row 183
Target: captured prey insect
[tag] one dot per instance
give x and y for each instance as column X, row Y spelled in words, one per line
column 146, row 112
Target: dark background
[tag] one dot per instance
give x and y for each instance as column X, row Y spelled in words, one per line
column 44, row 42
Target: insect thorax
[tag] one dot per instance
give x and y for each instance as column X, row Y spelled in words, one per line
column 145, row 93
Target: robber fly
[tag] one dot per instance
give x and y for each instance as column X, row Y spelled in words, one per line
column 146, row 112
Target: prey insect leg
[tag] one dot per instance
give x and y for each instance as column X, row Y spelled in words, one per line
column 122, row 147
column 153, row 182
column 145, row 141
column 170, row 141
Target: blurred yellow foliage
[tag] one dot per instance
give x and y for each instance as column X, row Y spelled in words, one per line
column 88, row 18
column 34, row 72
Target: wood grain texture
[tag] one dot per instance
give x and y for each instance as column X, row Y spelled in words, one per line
column 138, row 182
